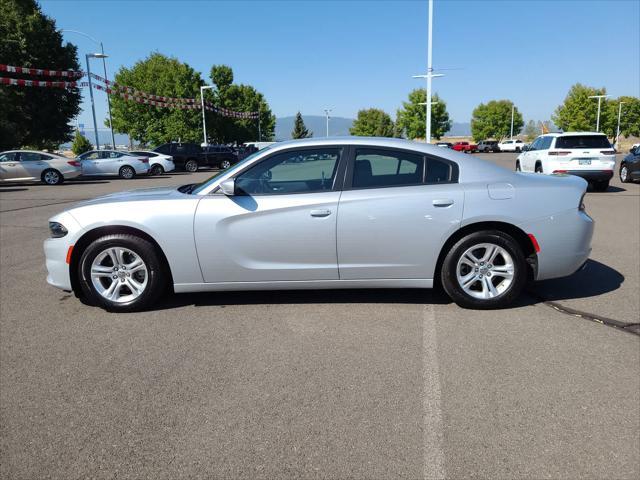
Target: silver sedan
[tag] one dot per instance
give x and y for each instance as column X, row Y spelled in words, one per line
column 332, row 213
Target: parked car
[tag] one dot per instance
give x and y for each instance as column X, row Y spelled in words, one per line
column 487, row 146
column 445, row 144
column 515, row 145
column 354, row 213
column 465, row 147
column 585, row 154
column 30, row 165
column 158, row 162
column 113, row 162
column 220, row 156
column 630, row 166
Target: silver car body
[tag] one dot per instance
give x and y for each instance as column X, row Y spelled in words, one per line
column 109, row 162
column 28, row 165
column 373, row 237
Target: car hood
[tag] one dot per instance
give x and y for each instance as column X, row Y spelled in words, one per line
column 143, row 194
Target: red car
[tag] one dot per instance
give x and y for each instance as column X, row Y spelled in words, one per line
column 465, row 147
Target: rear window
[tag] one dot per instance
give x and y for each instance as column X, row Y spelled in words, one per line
column 583, row 141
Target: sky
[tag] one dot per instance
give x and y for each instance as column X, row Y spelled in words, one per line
column 348, row 55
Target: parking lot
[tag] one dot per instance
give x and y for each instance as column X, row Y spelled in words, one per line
column 319, row 384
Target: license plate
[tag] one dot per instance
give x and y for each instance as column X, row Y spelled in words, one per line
column 584, row 161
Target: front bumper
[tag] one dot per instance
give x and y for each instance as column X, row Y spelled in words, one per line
column 55, row 252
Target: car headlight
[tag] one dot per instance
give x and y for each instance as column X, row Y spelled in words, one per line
column 57, row 230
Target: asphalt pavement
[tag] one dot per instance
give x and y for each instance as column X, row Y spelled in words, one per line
column 319, row 384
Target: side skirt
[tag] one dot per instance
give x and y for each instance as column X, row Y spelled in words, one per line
column 304, row 285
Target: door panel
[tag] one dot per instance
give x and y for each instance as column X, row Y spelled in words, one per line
column 395, row 232
column 9, row 164
column 32, row 164
column 247, row 238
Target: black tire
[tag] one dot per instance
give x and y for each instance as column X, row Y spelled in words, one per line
column 450, row 282
column 191, row 166
column 156, row 271
column 224, row 164
column 625, row 175
column 518, row 168
column 51, row 176
column 600, row 186
column 539, row 168
column 517, row 149
column 156, row 169
column 126, row 172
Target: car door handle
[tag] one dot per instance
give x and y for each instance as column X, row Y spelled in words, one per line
column 442, row 202
column 320, row 213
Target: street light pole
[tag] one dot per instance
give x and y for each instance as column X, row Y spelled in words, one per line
column 104, row 65
column 618, row 129
column 512, row 109
column 326, row 113
column 430, row 75
column 599, row 97
column 93, row 107
column 204, row 121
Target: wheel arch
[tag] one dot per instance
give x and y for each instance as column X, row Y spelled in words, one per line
column 85, row 240
column 515, row 232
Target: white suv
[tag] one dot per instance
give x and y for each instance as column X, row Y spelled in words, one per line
column 586, row 154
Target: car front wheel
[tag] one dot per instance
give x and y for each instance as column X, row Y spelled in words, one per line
column 191, row 166
column 52, row 177
column 225, row 164
column 624, row 174
column 121, row 273
column 156, row 170
column 484, row 270
column 127, row 172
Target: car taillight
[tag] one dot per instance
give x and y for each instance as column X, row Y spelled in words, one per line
column 559, row 154
column 608, row 152
column 74, row 163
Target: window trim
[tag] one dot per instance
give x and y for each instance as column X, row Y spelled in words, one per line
column 337, row 180
column 348, row 178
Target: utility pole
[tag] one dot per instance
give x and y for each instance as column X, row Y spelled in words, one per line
column 429, row 75
column 204, row 120
column 93, row 106
column 618, row 129
column 599, row 97
column 326, row 113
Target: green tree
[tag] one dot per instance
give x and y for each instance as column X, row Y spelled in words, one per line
column 31, row 115
column 493, row 120
column 300, row 130
column 373, row 122
column 80, row 144
column 531, row 130
column 578, row 112
column 629, row 118
column 158, row 75
column 239, row 98
column 411, row 118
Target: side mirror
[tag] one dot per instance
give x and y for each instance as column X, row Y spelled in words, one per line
column 228, row 187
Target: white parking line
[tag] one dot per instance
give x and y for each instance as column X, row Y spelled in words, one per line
column 433, row 467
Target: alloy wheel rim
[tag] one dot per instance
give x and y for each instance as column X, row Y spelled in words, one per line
column 226, row 164
column 192, row 166
column 623, row 173
column 485, row 271
column 127, row 173
column 51, row 177
column 119, row 274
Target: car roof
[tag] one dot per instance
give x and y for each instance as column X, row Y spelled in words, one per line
column 32, row 151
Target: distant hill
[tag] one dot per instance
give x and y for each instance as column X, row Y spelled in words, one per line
column 338, row 126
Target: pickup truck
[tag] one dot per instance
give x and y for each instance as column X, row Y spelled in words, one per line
column 465, row 147
column 191, row 156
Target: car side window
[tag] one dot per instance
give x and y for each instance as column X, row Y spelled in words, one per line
column 29, row 157
column 8, row 157
column 46, row 157
column 113, row 154
column 438, row 171
column 535, row 145
column 377, row 168
column 297, row 171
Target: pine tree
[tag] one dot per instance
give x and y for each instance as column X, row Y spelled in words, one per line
column 80, row 144
column 299, row 128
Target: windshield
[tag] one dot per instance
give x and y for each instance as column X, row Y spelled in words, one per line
column 199, row 187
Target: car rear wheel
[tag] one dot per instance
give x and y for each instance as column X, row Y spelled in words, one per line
column 625, row 177
column 156, row 169
column 225, row 164
column 52, row 177
column 126, row 172
column 191, row 166
column 518, row 168
column 538, row 168
column 484, row 270
column 121, row 273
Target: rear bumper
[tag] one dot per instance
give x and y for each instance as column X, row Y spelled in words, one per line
column 565, row 242
column 590, row 175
